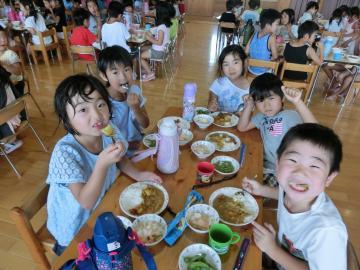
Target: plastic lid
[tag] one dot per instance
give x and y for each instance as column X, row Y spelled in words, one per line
column 168, row 127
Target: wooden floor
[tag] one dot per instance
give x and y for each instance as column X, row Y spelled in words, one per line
column 196, row 62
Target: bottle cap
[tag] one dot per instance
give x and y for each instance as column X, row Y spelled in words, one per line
column 168, row 127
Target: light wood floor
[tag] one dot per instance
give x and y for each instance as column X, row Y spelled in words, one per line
column 196, row 62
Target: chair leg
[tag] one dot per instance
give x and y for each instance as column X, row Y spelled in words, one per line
column 9, row 161
column 33, row 54
column 36, row 104
column 58, row 51
column 46, row 57
column 37, row 137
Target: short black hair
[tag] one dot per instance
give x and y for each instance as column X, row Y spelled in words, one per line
column 312, row 4
column 83, row 85
column 80, row 15
column 344, row 9
column 115, row 9
column 229, row 5
column 235, row 50
column 354, row 11
column 291, row 13
column 162, row 14
column 318, row 135
column 307, row 27
column 263, row 84
column 254, row 4
column 268, row 16
column 172, row 11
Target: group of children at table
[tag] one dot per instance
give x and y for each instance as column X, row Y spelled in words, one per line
column 301, row 157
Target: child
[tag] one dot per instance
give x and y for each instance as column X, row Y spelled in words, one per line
column 114, row 32
column 288, row 30
column 84, row 163
column 11, row 62
column 299, row 51
column 34, row 22
column 312, row 234
column 159, row 42
column 251, row 14
column 57, row 14
column 334, row 24
column 95, row 23
column 352, row 26
column 174, row 22
column 228, row 17
column 134, row 18
column 226, row 93
column 8, row 94
column 267, row 94
column 262, row 45
column 81, row 35
column 129, row 112
column 311, row 9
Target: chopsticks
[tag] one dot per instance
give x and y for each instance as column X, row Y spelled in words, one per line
column 242, row 154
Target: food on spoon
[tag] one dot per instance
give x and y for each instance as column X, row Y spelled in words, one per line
column 224, row 166
column 152, row 201
column 199, row 221
column 108, row 130
column 230, row 209
column 198, row 262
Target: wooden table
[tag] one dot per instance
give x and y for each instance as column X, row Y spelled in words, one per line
column 178, row 185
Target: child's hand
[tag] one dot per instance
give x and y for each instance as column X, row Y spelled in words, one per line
column 264, row 237
column 111, row 154
column 149, row 176
column 133, row 101
column 248, row 101
column 292, row 95
column 252, row 186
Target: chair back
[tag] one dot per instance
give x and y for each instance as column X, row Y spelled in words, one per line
column 228, row 25
column 273, row 65
column 67, row 30
column 49, row 33
column 300, row 84
column 22, row 217
column 77, row 49
column 11, row 110
column 352, row 259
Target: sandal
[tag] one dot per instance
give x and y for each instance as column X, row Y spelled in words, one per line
column 148, row 77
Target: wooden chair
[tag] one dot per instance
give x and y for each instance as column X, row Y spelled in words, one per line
column 352, row 94
column 77, row 50
column 44, row 48
column 67, row 30
column 273, row 65
column 305, row 84
column 221, row 34
column 6, row 114
column 27, row 92
column 352, row 259
column 37, row 242
column 165, row 60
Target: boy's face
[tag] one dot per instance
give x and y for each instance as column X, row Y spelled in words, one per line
column 303, row 172
column 90, row 116
column 129, row 9
column 312, row 10
column 92, row 7
column 270, row 105
column 273, row 27
column 3, row 41
column 312, row 38
column 118, row 76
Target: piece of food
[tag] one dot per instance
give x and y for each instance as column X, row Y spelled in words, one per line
column 230, row 209
column 151, row 142
column 152, row 201
column 201, row 149
column 202, row 111
column 150, row 231
column 223, row 119
column 108, row 131
column 198, row 262
column 224, row 166
column 223, row 141
column 200, row 221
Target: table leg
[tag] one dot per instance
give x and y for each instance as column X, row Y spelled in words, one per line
column 140, row 78
column 314, row 83
column 29, row 59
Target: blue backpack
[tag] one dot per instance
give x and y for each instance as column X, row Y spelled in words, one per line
column 110, row 248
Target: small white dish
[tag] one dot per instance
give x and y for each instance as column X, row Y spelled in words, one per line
column 196, row 212
column 150, row 140
column 146, row 226
column 203, row 120
column 233, row 161
column 203, row 149
column 201, row 110
column 195, row 249
column 185, row 137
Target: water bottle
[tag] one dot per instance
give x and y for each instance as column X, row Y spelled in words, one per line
column 168, row 149
column 328, row 44
column 189, row 101
column 248, row 32
column 146, row 7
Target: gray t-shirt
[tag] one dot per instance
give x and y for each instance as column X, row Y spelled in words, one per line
column 272, row 130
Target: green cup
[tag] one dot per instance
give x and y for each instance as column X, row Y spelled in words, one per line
column 221, row 237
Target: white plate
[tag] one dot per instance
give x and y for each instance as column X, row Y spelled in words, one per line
column 233, row 122
column 181, row 123
column 151, row 218
column 233, row 161
column 205, row 210
column 223, row 148
column 185, row 137
column 147, row 138
column 131, row 197
column 248, row 200
column 201, row 109
column 196, row 249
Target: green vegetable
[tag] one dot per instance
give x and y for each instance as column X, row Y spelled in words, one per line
column 224, row 166
column 201, row 111
column 198, row 262
column 151, row 142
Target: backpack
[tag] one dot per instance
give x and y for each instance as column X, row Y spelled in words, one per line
column 110, row 247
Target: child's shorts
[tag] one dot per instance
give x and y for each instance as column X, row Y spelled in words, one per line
column 270, row 180
column 154, row 54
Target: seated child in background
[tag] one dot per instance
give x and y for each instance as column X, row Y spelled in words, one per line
column 95, row 22
column 288, row 29
column 114, row 32
column 300, row 51
column 310, row 12
column 251, row 14
column 226, row 92
column 129, row 10
column 57, row 14
column 128, row 104
column 311, row 230
column 262, row 44
column 353, row 25
column 334, row 24
column 84, row 163
column 162, row 37
column 267, row 94
column 8, row 94
column 11, row 62
column 81, row 35
column 228, row 17
column 174, row 22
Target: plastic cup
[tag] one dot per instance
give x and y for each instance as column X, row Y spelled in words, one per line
column 205, row 172
column 221, row 237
